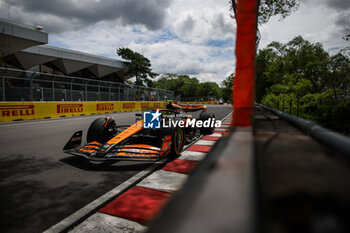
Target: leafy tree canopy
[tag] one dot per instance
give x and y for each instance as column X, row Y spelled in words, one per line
column 187, row 87
column 138, row 66
column 226, row 90
column 302, row 78
column 211, row 89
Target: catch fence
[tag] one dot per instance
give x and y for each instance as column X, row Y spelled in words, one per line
column 20, row 85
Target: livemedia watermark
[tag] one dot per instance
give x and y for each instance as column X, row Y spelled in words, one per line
column 152, row 120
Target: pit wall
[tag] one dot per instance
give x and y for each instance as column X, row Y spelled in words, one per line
column 12, row 111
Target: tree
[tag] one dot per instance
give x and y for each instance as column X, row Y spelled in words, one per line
column 190, row 86
column 298, row 57
column 187, row 87
column 138, row 66
column 303, row 79
column 268, row 71
column 269, row 8
column 209, row 89
column 339, row 80
column 226, row 89
column 180, row 84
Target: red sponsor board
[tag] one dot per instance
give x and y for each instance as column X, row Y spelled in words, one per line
column 105, row 107
column 69, row 108
column 145, row 105
column 16, row 110
column 129, row 105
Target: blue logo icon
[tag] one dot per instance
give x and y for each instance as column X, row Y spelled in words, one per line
column 151, row 119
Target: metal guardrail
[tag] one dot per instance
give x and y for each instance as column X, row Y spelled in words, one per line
column 333, row 139
column 20, row 85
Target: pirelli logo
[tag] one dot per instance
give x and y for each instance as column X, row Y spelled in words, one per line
column 69, row 108
column 16, row 110
column 156, row 105
column 128, row 105
column 145, row 105
column 105, row 107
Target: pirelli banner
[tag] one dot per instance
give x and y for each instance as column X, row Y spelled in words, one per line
column 11, row 111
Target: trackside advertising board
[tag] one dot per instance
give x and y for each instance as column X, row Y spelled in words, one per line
column 11, row 111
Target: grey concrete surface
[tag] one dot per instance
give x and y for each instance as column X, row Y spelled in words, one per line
column 305, row 185
column 40, row 185
column 103, row 223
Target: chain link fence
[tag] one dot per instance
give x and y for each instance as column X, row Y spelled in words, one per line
column 19, row 85
column 197, row 99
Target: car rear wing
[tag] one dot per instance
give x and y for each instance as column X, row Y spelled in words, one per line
column 193, row 108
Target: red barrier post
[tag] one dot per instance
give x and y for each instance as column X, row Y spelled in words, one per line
column 243, row 86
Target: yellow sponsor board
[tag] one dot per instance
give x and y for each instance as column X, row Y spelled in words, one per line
column 10, row 111
column 146, row 105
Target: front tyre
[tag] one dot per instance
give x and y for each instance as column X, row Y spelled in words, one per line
column 178, row 142
column 99, row 130
column 206, row 116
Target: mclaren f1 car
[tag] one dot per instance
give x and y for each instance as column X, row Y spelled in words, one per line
column 108, row 141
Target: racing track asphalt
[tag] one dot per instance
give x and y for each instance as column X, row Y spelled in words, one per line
column 40, row 185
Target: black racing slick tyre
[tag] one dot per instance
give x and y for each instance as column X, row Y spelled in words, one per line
column 178, row 141
column 98, row 131
column 203, row 117
column 191, row 134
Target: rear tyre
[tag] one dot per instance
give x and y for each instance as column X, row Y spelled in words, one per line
column 191, row 134
column 98, row 131
column 178, row 142
column 203, row 117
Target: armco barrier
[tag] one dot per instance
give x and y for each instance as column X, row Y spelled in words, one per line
column 11, row 111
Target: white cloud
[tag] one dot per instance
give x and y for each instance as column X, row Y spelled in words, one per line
column 150, row 13
column 180, row 47
column 183, row 58
column 314, row 21
column 192, row 37
column 202, row 25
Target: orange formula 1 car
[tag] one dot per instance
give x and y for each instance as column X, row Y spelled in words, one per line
column 108, row 141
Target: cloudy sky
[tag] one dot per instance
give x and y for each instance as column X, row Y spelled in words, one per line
column 194, row 37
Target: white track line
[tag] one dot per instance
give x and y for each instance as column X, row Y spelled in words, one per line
column 193, row 155
column 205, row 143
column 99, row 202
